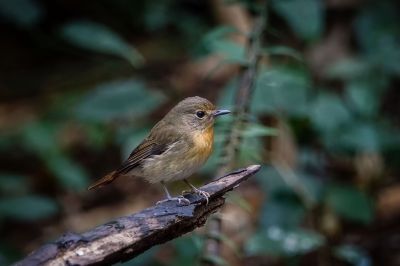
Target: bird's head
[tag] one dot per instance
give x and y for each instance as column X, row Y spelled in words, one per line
column 194, row 113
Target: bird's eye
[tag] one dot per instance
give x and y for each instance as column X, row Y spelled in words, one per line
column 200, row 114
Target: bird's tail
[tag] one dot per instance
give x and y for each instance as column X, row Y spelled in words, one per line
column 104, row 180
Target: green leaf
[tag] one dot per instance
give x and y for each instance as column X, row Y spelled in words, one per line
column 365, row 86
column 389, row 137
column 119, row 99
column 97, row 135
column 231, row 51
column 270, row 180
column 217, row 41
column 216, row 34
column 40, row 138
column 282, row 210
column 10, row 183
column 364, row 136
column 281, row 89
column 24, row 13
column 360, row 137
column 254, row 7
column 313, row 186
column 349, row 68
column 328, row 112
column 99, row 38
column 353, row 255
column 305, row 17
column 286, row 189
column 258, row 130
column 350, row 203
column 277, row 241
column 187, row 249
column 157, row 15
column 215, row 260
column 311, row 159
column 364, row 97
column 283, row 51
column 274, row 185
column 378, row 34
column 69, row 174
column 27, row 208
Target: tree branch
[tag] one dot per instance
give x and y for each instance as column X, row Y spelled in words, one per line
column 128, row 236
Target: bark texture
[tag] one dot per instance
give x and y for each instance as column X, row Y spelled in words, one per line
column 129, row 236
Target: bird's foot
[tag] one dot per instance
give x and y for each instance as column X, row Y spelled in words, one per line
column 202, row 193
column 181, row 201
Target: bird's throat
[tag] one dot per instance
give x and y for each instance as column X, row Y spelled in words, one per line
column 203, row 142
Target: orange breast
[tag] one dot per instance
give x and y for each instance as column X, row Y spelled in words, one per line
column 203, row 143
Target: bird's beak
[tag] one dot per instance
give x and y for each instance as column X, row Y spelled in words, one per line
column 221, row 112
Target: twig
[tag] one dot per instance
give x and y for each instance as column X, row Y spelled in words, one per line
column 212, row 246
column 243, row 97
column 128, row 236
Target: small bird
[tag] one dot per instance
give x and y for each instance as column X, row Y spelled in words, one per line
column 176, row 147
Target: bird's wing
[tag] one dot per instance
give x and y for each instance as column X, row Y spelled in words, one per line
column 149, row 147
column 161, row 137
column 146, row 149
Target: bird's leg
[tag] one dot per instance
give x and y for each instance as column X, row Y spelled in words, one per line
column 181, row 200
column 205, row 194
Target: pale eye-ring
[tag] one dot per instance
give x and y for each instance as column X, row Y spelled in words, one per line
column 200, row 114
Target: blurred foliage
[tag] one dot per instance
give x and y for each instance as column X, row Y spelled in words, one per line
column 99, row 38
column 115, row 100
column 34, row 208
column 40, row 139
column 24, row 13
column 305, row 17
column 353, row 255
column 281, row 90
column 336, row 115
column 218, row 41
column 345, row 200
column 277, row 242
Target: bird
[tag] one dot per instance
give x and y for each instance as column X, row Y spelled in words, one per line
column 176, row 147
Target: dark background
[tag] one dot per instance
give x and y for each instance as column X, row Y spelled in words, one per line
column 82, row 82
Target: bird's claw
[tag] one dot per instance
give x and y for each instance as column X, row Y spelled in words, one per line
column 202, row 193
column 181, row 201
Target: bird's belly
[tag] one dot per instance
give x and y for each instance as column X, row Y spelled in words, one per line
column 176, row 164
column 155, row 170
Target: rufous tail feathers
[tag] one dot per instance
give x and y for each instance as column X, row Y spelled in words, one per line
column 104, row 180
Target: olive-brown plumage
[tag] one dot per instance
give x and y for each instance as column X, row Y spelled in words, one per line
column 176, row 147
